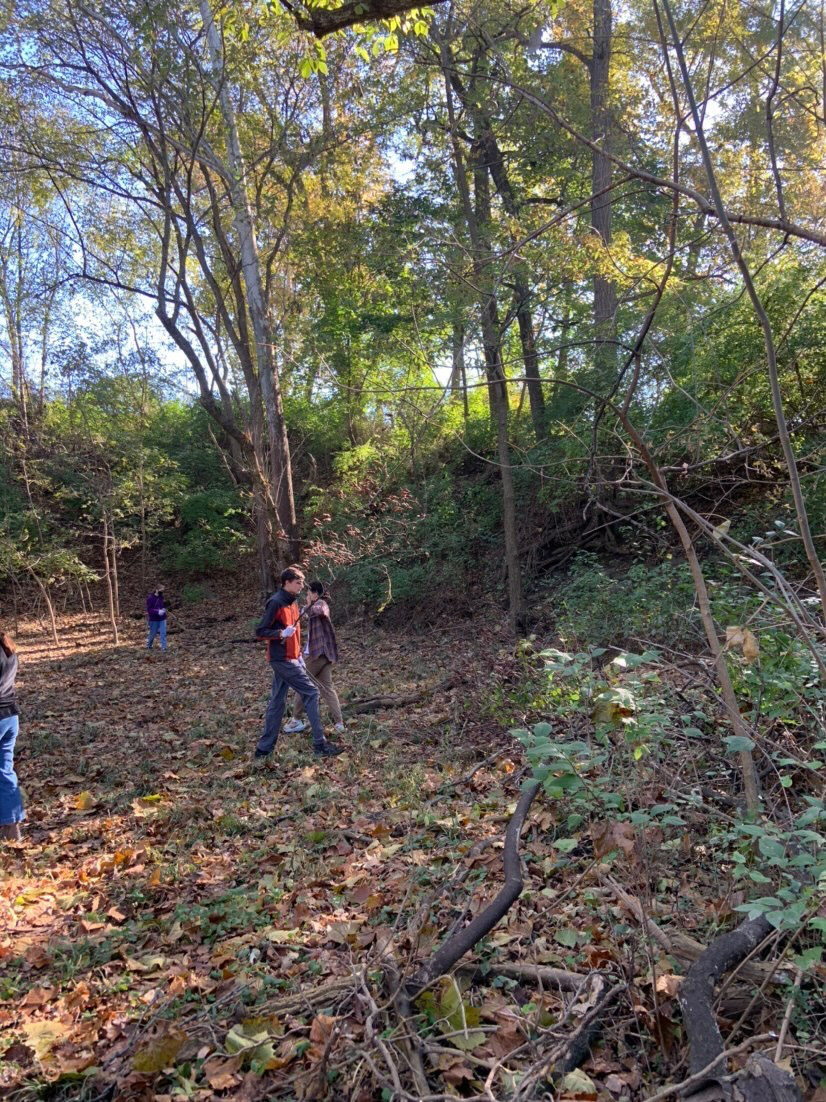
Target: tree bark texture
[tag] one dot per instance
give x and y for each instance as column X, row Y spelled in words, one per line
column 605, row 295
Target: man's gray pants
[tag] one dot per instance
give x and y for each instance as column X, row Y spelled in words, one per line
column 285, row 676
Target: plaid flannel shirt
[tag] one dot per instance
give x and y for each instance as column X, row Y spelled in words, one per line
column 322, row 637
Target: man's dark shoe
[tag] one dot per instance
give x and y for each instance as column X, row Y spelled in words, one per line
column 328, row 750
column 259, row 760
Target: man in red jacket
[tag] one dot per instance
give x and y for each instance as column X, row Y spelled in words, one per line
column 280, row 627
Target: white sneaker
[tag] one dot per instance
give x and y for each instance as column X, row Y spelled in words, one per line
column 340, row 728
column 294, row 725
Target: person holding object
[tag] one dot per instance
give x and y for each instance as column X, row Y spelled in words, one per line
column 11, row 801
column 156, row 615
column 320, row 654
column 280, row 627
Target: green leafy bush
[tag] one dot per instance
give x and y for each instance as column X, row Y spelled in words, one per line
column 594, row 608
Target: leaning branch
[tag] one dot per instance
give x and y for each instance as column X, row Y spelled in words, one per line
column 705, row 205
column 464, row 940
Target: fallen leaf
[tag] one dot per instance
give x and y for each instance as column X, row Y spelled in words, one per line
column 19, row 1054
column 614, row 836
column 669, row 985
column 159, row 1053
column 39, row 996
column 43, row 1036
column 455, row 1071
column 222, row 1074
column 576, row 1084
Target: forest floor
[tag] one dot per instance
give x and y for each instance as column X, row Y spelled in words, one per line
column 179, row 926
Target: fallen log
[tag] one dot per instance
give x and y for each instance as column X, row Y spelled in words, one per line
column 685, row 947
column 379, row 703
column 538, row 974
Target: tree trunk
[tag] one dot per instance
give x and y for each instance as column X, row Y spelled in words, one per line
column 266, row 567
column 491, row 340
column 244, row 222
column 477, row 218
column 113, row 552
column 49, row 606
column 529, row 356
column 458, row 377
column 522, row 292
column 107, row 571
column 143, row 526
column 605, row 295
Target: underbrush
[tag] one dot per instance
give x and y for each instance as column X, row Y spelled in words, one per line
column 635, row 755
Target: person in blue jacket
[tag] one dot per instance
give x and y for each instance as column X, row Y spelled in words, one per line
column 156, row 615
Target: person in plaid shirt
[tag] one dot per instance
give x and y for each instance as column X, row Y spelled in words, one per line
column 280, row 627
column 320, row 655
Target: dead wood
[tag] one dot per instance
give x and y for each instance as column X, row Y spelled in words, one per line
column 464, row 940
column 706, row 1048
column 761, row 1080
column 578, row 1045
column 681, row 945
column 538, row 974
column 379, row 703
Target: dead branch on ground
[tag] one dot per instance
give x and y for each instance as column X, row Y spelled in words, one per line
column 761, row 1080
column 379, row 703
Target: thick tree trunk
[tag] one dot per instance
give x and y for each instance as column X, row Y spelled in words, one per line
column 244, row 222
column 266, row 566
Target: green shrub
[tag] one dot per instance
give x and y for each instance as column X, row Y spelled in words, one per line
column 653, row 602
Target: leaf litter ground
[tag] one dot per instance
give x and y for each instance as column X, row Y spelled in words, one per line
column 178, row 925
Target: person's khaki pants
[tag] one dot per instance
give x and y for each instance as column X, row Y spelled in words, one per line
column 321, row 671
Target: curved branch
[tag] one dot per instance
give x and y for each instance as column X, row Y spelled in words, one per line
column 463, row 940
column 696, row 994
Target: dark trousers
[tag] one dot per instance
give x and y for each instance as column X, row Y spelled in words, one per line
column 286, row 676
